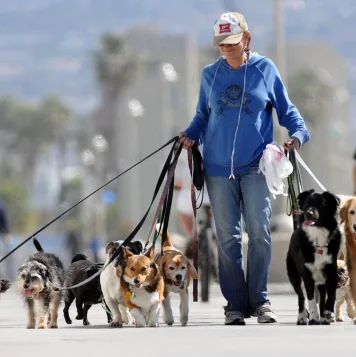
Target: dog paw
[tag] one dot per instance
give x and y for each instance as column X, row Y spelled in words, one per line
column 328, row 316
column 184, row 320
column 42, row 326
column 53, row 325
column 115, row 324
column 314, row 322
column 79, row 317
column 86, row 323
column 138, row 325
column 169, row 321
column 153, row 324
column 69, row 322
column 303, row 318
column 339, row 318
column 126, row 320
column 302, row 321
column 31, row 326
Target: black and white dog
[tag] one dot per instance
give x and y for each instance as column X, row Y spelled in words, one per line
column 312, row 256
column 39, row 279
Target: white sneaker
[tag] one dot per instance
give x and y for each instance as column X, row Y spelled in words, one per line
column 234, row 318
column 265, row 315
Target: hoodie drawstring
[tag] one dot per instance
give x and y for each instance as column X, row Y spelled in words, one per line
column 232, row 176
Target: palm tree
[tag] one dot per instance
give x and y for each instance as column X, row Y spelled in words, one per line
column 114, row 71
column 30, row 128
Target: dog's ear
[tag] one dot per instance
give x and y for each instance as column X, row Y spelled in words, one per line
column 343, row 212
column 127, row 253
column 111, row 247
column 161, row 261
column 192, row 272
column 21, row 269
column 303, row 196
column 332, row 201
column 150, row 253
column 138, row 247
column 42, row 270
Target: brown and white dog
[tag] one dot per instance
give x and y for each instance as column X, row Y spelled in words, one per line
column 177, row 271
column 110, row 280
column 343, row 293
column 142, row 287
column 348, row 219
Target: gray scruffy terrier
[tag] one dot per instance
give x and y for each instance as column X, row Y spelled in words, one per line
column 37, row 280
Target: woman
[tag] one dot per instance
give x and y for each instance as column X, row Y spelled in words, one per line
column 234, row 121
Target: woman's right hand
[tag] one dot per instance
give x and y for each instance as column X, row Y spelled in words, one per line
column 183, row 139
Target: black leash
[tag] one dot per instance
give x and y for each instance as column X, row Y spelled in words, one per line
column 292, row 197
column 174, row 139
column 167, row 169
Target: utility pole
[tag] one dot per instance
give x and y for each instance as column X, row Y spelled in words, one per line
column 279, row 39
column 280, row 60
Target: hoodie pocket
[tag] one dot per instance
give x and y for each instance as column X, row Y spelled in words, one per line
column 219, row 145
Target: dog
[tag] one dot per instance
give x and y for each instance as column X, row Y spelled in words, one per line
column 312, row 256
column 4, row 285
column 87, row 295
column 37, row 280
column 348, row 219
column 142, row 287
column 343, row 293
column 177, row 272
column 110, row 280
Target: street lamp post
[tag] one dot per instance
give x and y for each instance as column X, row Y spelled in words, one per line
column 94, row 158
column 280, row 59
column 100, row 145
column 169, row 76
column 137, row 111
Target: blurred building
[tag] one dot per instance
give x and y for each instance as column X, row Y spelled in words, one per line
column 158, row 104
column 329, row 152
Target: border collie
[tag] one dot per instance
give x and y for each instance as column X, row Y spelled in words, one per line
column 312, row 256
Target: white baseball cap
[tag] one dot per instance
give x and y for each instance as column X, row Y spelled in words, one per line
column 229, row 28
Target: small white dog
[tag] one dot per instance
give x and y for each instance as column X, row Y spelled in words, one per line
column 110, row 284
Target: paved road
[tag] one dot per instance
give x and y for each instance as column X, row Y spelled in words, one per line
column 205, row 334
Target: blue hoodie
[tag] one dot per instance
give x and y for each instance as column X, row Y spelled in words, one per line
column 234, row 138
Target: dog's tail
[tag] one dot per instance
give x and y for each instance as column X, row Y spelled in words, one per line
column 79, row 257
column 167, row 242
column 37, row 245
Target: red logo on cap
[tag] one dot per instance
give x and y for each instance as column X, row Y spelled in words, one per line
column 224, row 28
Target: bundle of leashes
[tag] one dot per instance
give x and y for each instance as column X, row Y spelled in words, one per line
column 163, row 209
column 294, row 176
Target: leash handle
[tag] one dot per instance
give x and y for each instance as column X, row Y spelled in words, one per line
column 291, row 191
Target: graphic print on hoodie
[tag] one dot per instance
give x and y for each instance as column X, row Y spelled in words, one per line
column 216, row 119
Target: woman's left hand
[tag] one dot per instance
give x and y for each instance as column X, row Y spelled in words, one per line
column 293, row 140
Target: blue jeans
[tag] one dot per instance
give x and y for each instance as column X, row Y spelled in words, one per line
column 248, row 195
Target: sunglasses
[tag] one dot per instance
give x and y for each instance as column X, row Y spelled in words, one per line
column 228, row 44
